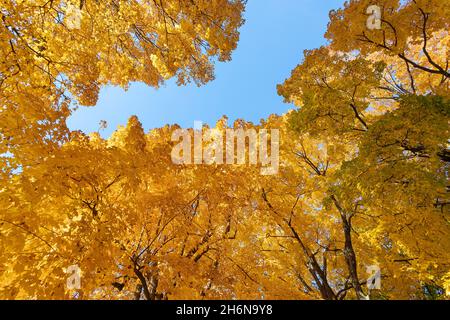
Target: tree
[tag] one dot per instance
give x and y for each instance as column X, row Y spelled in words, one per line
column 362, row 181
column 377, row 102
column 137, row 225
column 56, row 55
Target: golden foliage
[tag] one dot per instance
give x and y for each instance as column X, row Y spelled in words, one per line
column 364, row 161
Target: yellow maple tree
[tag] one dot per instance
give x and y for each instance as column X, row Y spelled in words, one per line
column 362, row 181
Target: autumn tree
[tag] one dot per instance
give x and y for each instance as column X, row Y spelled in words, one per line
column 137, row 225
column 373, row 134
column 362, row 181
column 55, row 55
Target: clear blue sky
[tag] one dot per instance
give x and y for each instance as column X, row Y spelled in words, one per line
column 272, row 42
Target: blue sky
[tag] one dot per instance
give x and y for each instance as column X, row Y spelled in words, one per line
column 272, row 42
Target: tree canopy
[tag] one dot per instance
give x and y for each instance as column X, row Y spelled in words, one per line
column 364, row 160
